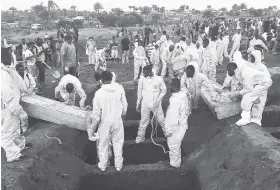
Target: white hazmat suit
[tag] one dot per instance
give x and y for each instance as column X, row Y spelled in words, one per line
column 13, row 115
column 255, row 83
column 176, row 124
column 192, row 86
column 69, row 98
column 149, row 95
column 109, row 105
column 258, row 106
column 140, row 60
column 236, row 44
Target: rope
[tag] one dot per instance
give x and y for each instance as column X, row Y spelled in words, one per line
column 59, row 141
column 154, row 130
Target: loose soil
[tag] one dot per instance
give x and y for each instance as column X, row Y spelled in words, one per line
column 49, row 165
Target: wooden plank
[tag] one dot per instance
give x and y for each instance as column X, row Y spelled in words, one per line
column 159, row 140
column 55, row 112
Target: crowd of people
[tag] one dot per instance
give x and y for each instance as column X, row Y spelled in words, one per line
column 190, row 64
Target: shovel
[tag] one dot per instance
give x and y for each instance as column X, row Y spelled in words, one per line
column 55, row 74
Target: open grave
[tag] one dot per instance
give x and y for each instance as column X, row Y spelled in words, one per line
column 216, row 155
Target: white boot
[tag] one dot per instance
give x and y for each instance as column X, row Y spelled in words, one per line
column 256, row 121
column 245, row 118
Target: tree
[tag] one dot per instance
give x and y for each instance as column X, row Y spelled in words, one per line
column 130, row 7
column 162, row 10
column 51, row 6
column 154, row 8
column 13, row 9
column 223, row 9
column 146, row 10
column 208, row 13
column 73, row 7
column 38, row 8
column 242, row 7
column 235, row 7
column 209, row 7
column 182, row 8
column 117, row 11
column 64, row 12
column 97, row 7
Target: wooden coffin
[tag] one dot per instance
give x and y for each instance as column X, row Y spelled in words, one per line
column 55, row 112
column 221, row 110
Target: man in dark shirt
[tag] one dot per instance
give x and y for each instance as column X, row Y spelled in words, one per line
column 147, row 34
column 21, row 48
column 125, row 49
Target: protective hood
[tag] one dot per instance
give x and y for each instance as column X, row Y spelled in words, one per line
column 240, row 62
column 110, row 87
column 258, row 56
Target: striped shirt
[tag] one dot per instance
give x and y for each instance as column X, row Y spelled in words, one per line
column 150, row 49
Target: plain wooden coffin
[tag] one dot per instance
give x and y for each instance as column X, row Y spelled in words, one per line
column 55, row 112
column 221, row 110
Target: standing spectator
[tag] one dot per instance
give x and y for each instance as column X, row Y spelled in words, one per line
column 68, row 57
column 30, row 60
column 21, row 49
column 149, row 50
column 236, row 43
column 40, row 59
column 155, row 60
column 125, row 49
column 147, row 32
column 114, row 50
column 91, row 51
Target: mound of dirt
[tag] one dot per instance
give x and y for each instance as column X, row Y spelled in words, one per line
column 239, row 158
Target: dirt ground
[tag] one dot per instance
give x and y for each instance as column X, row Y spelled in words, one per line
column 49, row 165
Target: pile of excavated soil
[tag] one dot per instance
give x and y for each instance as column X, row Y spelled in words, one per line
column 49, row 165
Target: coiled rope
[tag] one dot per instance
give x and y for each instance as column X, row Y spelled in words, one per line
column 154, row 131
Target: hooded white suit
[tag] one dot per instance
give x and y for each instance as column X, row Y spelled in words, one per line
column 192, row 86
column 70, row 98
column 140, row 60
column 209, row 63
column 109, row 104
column 13, row 115
column 255, row 83
column 258, row 106
column 176, row 124
column 150, row 91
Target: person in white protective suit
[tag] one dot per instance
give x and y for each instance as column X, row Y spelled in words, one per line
column 100, row 57
column 182, row 44
column 209, row 61
column 91, row 51
column 236, row 43
column 28, row 79
column 67, row 88
column 233, row 82
column 258, row 107
column 255, row 83
column 176, row 122
column 220, row 49
column 13, row 116
column 165, row 57
column 200, row 54
column 256, row 41
column 225, row 43
column 109, row 109
column 191, row 83
column 140, row 59
column 151, row 90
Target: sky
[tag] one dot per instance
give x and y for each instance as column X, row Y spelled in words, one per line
column 123, row 4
